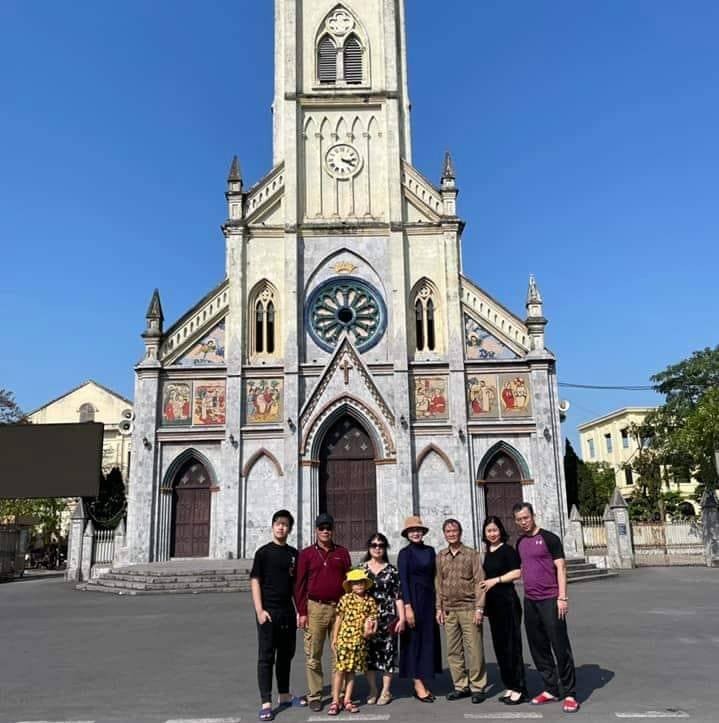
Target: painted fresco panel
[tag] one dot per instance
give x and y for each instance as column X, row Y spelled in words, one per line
column 480, row 344
column 263, row 401
column 209, row 406
column 209, row 350
column 430, row 398
column 176, row 403
column 515, row 394
column 482, row 398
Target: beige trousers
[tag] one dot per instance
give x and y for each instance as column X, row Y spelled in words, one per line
column 465, row 651
column 320, row 621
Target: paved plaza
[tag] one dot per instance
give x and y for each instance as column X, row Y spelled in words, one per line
column 646, row 645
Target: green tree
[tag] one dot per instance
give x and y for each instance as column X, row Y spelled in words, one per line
column 109, row 506
column 10, row 412
column 595, row 484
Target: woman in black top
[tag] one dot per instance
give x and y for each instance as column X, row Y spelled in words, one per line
column 502, row 607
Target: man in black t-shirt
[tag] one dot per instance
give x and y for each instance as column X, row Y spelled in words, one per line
column 272, row 583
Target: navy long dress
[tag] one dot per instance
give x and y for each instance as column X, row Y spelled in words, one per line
column 420, row 648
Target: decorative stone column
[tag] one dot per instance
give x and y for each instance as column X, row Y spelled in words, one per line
column 710, row 528
column 620, row 511
column 614, row 558
column 574, row 539
column 87, row 540
column 119, row 549
column 74, row 544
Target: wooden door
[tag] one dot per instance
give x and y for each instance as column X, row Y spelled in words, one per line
column 503, row 490
column 348, row 489
column 191, row 512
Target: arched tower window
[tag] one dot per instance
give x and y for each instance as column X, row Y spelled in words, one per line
column 425, row 307
column 327, row 60
column 352, row 61
column 263, row 326
column 87, row 413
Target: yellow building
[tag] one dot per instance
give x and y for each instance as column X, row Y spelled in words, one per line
column 91, row 402
column 607, row 439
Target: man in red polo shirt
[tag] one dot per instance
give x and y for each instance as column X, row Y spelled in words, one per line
column 321, row 570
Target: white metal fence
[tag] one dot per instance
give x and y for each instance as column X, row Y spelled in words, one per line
column 595, row 535
column 668, row 543
column 103, row 547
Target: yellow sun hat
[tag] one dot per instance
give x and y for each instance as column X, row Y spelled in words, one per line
column 356, row 575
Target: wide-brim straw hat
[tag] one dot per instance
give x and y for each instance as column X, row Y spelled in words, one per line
column 356, row 575
column 412, row 523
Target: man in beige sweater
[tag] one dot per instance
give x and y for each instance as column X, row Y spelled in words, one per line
column 460, row 608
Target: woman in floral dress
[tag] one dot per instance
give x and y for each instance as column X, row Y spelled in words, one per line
column 382, row 651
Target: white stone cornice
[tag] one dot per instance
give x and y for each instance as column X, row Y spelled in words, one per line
column 422, row 191
column 264, row 193
column 496, row 318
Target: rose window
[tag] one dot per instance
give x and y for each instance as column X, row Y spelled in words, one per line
column 350, row 305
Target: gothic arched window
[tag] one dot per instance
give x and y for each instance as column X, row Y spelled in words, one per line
column 87, row 413
column 425, row 307
column 263, row 327
column 352, row 61
column 327, row 60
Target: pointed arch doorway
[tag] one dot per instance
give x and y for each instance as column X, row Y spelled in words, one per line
column 190, row 529
column 502, row 480
column 348, row 482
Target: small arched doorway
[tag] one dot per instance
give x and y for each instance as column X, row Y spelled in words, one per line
column 191, row 511
column 502, row 481
column 347, row 482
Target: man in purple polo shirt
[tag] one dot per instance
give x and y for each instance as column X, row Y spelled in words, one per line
column 544, row 574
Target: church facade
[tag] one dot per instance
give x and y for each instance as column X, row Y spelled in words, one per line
column 345, row 364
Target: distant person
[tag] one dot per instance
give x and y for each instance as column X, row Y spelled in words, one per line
column 272, row 583
column 356, row 621
column 503, row 609
column 383, row 648
column 420, row 647
column 544, row 574
column 460, row 608
column 320, row 573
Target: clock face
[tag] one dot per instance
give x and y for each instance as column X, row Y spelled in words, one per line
column 343, row 160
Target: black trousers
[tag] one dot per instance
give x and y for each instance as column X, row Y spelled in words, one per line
column 276, row 642
column 505, row 623
column 547, row 634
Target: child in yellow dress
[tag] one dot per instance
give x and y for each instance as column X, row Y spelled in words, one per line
column 356, row 621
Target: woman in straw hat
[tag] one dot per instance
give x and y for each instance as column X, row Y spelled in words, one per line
column 420, row 648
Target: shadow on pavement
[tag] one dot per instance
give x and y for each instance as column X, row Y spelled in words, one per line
column 591, row 677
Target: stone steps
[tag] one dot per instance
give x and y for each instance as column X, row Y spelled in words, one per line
column 174, row 577
column 579, row 570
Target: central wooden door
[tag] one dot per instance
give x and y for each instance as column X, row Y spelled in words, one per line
column 503, row 490
column 191, row 512
column 348, row 488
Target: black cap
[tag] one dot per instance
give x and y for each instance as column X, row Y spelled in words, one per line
column 325, row 519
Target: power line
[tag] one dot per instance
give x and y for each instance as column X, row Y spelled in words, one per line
column 625, row 388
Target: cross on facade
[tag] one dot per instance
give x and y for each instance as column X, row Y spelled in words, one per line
column 345, row 367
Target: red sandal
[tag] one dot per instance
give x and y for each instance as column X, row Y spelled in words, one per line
column 334, row 709
column 543, row 698
column 570, row 705
column 350, row 707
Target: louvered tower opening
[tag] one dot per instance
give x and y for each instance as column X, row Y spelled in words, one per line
column 327, row 61
column 353, row 61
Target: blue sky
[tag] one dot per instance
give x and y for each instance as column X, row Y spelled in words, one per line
column 584, row 135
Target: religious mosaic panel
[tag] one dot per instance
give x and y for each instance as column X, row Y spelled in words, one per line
column 515, row 395
column 430, row 398
column 263, row 401
column 209, row 403
column 482, row 396
column 209, row 350
column 177, row 403
column 480, row 344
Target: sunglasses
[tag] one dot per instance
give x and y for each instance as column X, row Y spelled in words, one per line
column 377, row 544
column 324, row 528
